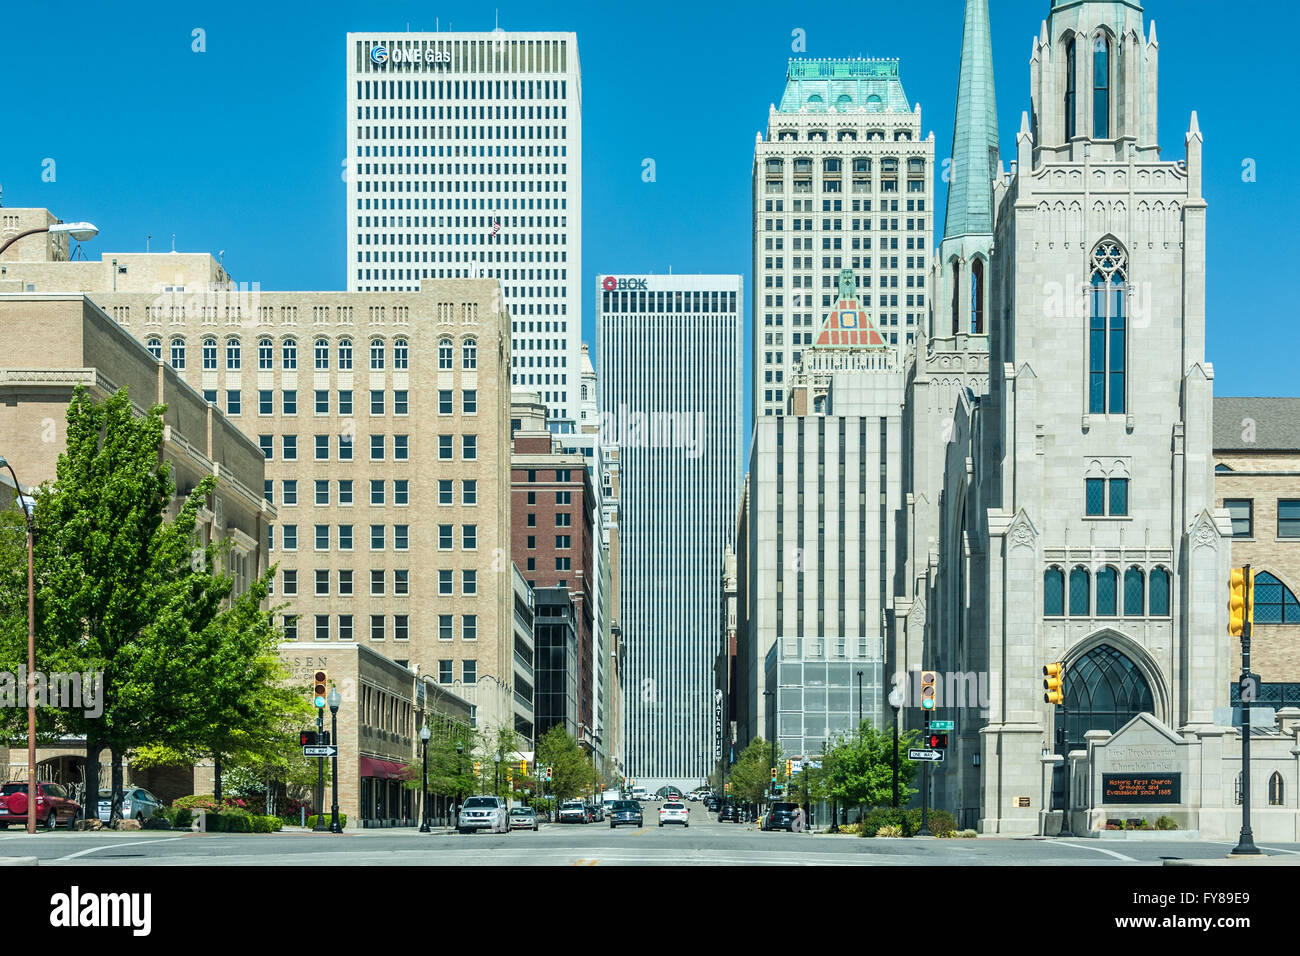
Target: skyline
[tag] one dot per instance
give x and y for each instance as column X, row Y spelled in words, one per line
column 249, row 135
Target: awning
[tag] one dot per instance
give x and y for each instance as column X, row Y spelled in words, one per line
column 384, row 769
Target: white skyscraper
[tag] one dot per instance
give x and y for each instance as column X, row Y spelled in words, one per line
column 671, row 374
column 465, row 159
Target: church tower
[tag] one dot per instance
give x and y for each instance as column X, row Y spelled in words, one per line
column 1080, row 489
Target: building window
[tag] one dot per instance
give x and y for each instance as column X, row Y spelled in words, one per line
column 267, row 443
column 154, row 345
column 345, row 537
column 469, row 627
column 345, row 491
column 469, row 536
column 401, row 404
column 1274, row 602
column 469, row 401
column 977, row 296
column 322, row 537
column 1134, row 592
column 376, row 627
column 468, row 582
column 376, row 582
column 345, row 627
column 469, row 447
column 232, row 355
column 444, row 355
column 290, row 401
column 401, row 627
column 401, row 491
column 1095, row 496
column 345, row 401
column 289, row 583
column 322, row 627
column 1159, row 587
column 290, row 534
column 376, row 355
column 322, row 447
column 377, row 536
column 265, row 354
column 232, row 401
column 1118, row 497
column 290, row 627
column 401, row 353
column 401, row 448
column 1070, row 90
column 376, row 447
column 445, row 447
column 376, row 491
column 444, row 401
column 402, row 582
column 1275, row 790
column 178, row 354
column 322, row 491
column 469, row 491
column 401, row 537
column 445, row 583
column 345, row 583
column 1101, row 88
column 444, row 491
column 1107, row 592
column 209, row 355
column 1080, row 592
column 1242, row 513
column 445, row 627
column 345, row 355
column 289, row 355
column 265, row 401
column 469, row 355
column 289, row 446
column 445, row 537
column 322, row 354
column 1107, row 341
column 1288, row 518
column 322, row 582
column 469, row 671
column 445, row 671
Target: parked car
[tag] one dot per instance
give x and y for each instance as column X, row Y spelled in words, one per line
column 137, row 804
column 625, row 811
column 732, row 813
column 597, row 813
column 780, row 817
column 53, row 805
column 523, row 818
column 483, row 813
column 574, row 811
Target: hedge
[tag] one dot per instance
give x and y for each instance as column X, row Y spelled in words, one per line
column 311, row 820
column 941, row 822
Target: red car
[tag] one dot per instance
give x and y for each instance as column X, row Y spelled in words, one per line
column 53, row 805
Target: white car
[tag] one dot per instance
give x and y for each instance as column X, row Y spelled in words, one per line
column 483, row 813
column 674, row 811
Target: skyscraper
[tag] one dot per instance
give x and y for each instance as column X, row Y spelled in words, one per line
column 464, row 160
column 842, row 181
column 669, row 353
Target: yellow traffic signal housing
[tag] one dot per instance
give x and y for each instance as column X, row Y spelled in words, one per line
column 789, row 768
column 477, row 768
column 1054, row 683
column 319, row 687
column 1241, row 601
column 929, row 680
column 774, row 775
column 523, row 768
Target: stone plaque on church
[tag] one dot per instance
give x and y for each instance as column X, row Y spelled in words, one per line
column 1141, row 788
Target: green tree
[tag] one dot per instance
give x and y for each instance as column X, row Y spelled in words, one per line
column 859, row 769
column 751, row 775
column 570, row 766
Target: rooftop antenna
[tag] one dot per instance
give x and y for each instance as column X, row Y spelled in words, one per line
column 146, row 242
column 173, row 242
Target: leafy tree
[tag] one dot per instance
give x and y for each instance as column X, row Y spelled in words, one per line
column 570, row 766
column 751, row 775
column 859, row 769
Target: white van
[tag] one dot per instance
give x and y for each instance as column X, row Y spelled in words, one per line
column 640, row 793
column 609, row 796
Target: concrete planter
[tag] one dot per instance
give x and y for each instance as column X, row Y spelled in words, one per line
column 1140, row 835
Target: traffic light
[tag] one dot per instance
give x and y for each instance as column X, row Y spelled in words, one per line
column 1241, row 601
column 928, row 681
column 307, row 738
column 727, row 786
column 523, row 768
column 774, row 775
column 478, row 768
column 937, row 741
column 789, row 768
column 319, row 688
column 548, row 774
column 1054, row 683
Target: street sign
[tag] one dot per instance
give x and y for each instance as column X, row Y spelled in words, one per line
column 942, row 725
column 319, row 751
column 925, row 755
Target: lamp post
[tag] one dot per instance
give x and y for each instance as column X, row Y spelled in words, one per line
column 31, row 637
column 496, row 774
column 859, row 703
column 334, row 700
column 460, row 776
column 81, row 231
column 896, row 702
column 424, row 780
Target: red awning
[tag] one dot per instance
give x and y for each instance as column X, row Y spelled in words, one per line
column 384, row 769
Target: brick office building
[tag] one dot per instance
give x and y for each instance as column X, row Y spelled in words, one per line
column 552, row 519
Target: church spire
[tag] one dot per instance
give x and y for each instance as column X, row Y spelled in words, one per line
column 975, row 131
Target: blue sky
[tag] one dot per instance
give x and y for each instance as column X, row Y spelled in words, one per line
column 239, row 148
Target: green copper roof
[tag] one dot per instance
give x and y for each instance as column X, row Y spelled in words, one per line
column 975, row 131
column 819, row 85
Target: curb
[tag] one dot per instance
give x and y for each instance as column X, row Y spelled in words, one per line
column 18, row 861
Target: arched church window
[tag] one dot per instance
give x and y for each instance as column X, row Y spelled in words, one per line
column 977, row 297
column 1134, row 592
column 1274, row 602
column 1101, row 88
column 1080, row 592
column 1053, row 592
column 1275, row 790
column 956, row 297
column 1107, row 337
column 1107, row 592
column 1070, row 127
column 1159, row 585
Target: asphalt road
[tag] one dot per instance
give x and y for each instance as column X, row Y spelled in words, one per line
column 705, row 842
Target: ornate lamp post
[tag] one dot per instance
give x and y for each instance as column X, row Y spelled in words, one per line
column 31, row 645
column 424, row 784
column 896, row 702
column 334, row 700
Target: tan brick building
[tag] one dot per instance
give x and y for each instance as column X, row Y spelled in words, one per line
column 1257, row 478
column 384, row 421
column 56, row 342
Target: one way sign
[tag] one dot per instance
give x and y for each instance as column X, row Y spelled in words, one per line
column 320, row 751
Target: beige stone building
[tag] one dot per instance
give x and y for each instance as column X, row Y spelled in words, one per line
column 54, row 343
column 1257, row 479
column 384, row 421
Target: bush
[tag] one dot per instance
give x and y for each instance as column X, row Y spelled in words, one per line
column 890, row 831
column 966, row 834
column 266, row 824
column 941, row 822
column 1166, row 823
column 311, row 820
column 198, row 801
column 158, row 821
column 234, row 820
column 873, row 820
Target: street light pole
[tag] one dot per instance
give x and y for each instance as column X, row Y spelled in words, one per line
column 81, row 231
column 859, row 702
column 31, row 641
column 424, row 780
column 334, row 700
column 896, row 702
column 1246, row 840
column 320, row 826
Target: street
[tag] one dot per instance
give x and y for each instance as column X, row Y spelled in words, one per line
column 705, row 842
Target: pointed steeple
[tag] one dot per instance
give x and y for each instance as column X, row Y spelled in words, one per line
column 975, row 131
